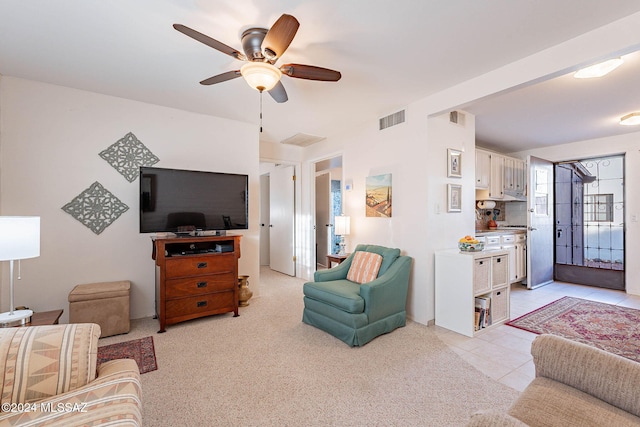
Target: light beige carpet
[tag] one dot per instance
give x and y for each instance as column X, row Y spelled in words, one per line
column 267, row 368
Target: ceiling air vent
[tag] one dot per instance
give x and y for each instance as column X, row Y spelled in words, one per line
column 392, row 120
column 457, row 117
column 302, row 140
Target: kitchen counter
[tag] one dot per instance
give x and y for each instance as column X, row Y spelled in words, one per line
column 501, row 232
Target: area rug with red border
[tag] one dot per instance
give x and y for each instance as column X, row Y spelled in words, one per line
column 609, row 327
column 141, row 350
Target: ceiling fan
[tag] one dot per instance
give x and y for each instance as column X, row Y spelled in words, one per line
column 262, row 48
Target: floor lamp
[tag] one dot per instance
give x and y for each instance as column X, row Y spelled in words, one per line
column 19, row 239
column 343, row 228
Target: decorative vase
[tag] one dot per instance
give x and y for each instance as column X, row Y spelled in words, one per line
column 244, row 293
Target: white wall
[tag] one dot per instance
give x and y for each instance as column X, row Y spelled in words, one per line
column 415, row 154
column 50, row 140
column 629, row 145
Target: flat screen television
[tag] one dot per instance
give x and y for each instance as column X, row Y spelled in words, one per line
column 181, row 201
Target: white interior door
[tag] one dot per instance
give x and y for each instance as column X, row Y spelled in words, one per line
column 282, row 222
column 265, row 206
column 323, row 218
column 540, row 223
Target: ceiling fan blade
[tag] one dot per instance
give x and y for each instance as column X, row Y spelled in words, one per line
column 279, row 37
column 210, row 42
column 229, row 75
column 310, row 72
column 278, row 93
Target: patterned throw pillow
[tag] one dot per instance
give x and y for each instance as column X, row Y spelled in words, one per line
column 364, row 267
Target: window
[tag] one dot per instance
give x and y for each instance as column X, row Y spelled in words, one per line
column 598, row 207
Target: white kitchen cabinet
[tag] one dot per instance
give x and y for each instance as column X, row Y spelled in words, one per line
column 520, row 177
column 508, row 181
column 483, row 169
column 516, row 245
column 508, row 242
column 521, row 257
column 463, row 276
column 496, row 184
column 514, row 176
column 501, row 175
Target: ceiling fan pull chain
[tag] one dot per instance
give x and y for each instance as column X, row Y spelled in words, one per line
column 260, row 111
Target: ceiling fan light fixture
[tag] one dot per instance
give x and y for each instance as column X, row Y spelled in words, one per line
column 630, row 119
column 598, row 70
column 260, row 75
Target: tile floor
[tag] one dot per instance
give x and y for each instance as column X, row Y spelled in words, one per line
column 503, row 353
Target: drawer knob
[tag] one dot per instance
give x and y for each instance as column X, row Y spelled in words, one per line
column 202, row 265
column 202, row 284
column 201, row 303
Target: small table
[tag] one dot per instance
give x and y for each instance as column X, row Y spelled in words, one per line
column 45, row 318
column 335, row 258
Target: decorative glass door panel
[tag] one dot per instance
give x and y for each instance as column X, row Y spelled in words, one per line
column 590, row 222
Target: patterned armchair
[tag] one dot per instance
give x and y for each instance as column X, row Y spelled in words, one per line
column 49, row 379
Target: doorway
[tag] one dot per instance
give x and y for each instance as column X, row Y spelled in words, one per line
column 540, row 202
column 328, row 205
column 277, row 217
column 589, row 231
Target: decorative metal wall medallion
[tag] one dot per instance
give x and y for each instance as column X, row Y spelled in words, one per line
column 127, row 155
column 96, row 208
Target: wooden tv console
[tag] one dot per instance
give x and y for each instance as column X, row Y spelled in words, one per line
column 195, row 277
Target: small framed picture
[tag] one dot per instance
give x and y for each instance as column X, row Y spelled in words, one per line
column 454, row 165
column 454, row 199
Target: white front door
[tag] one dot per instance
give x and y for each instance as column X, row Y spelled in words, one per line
column 282, row 222
column 540, row 224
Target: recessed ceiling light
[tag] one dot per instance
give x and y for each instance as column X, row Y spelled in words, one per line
column 630, row 119
column 598, row 70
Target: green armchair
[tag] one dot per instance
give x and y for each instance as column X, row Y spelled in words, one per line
column 357, row 313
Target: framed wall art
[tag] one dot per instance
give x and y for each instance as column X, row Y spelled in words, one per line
column 454, row 163
column 454, row 198
column 378, row 196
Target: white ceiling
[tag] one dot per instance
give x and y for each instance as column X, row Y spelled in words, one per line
column 560, row 110
column 390, row 54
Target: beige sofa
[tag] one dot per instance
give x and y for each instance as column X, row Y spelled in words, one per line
column 575, row 385
column 49, row 379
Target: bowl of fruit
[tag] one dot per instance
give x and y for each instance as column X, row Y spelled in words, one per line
column 470, row 244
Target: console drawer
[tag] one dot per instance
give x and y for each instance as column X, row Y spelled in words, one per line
column 185, row 307
column 200, row 265
column 200, row 285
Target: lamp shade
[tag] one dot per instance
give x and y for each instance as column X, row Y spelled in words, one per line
column 19, row 237
column 343, row 225
column 260, row 75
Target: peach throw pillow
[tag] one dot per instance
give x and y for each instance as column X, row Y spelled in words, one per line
column 364, row 267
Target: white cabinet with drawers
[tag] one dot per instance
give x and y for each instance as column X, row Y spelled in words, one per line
column 463, row 276
column 516, row 245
